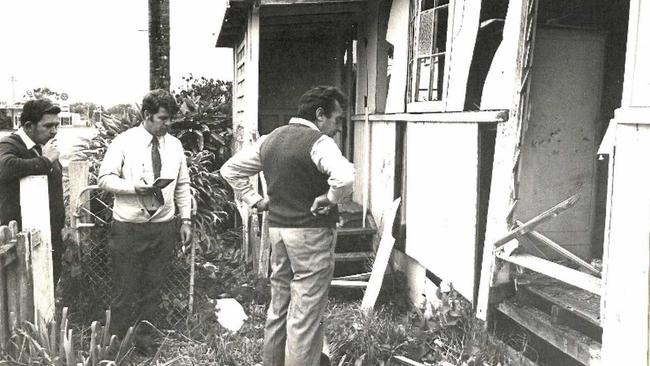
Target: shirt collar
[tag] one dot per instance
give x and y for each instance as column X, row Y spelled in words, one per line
column 147, row 137
column 29, row 143
column 304, row 122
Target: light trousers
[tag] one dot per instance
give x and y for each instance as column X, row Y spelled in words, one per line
column 302, row 264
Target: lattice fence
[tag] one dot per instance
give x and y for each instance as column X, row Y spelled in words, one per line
column 91, row 276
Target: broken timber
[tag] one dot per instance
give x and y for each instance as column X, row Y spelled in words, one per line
column 539, row 238
column 565, row 274
column 537, row 220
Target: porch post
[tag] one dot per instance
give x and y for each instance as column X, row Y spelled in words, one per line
column 625, row 278
column 35, row 212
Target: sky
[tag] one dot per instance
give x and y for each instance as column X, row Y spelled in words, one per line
column 97, row 51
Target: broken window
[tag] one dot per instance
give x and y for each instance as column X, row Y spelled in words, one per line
column 428, row 50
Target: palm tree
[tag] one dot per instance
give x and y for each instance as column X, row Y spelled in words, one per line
column 159, row 44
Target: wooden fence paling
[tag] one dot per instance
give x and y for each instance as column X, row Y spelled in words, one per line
column 4, row 319
column 16, row 290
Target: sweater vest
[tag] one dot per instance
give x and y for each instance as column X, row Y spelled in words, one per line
column 293, row 179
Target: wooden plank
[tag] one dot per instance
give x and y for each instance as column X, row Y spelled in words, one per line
column 13, row 296
column 496, row 116
column 35, row 214
column 442, row 201
column 381, row 259
column 537, row 220
column 355, row 231
column 565, row 274
column 539, row 238
column 513, row 356
column 353, row 256
column 308, row 2
column 580, row 347
column 349, row 284
column 355, row 277
column 24, row 279
column 310, row 9
column 581, row 303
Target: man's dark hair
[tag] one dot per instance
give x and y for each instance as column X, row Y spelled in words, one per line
column 320, row 96
column 35, row 109
column 159, row 98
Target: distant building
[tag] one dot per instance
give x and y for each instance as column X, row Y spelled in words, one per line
column 13, row 111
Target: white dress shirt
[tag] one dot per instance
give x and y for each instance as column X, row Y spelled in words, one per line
column 325, row 154
column 128, row 161
column 29, row 143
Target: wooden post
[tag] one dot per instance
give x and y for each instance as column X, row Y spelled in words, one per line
column 35, row 210
column 519, row 35
column 78, row 171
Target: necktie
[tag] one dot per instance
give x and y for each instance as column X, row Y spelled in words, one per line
column 155, row 158
column 38, row 149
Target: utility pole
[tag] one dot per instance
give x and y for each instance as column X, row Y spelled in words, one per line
column 159, row 77
column 13, row 89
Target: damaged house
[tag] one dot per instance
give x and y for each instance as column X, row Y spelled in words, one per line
column 515, row 132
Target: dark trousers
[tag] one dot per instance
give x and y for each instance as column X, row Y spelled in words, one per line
column 141, row 254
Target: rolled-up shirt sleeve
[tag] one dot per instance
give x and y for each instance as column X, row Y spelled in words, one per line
column 110, row 173
column 329, row 160
column 182, row 192
column 240, row 167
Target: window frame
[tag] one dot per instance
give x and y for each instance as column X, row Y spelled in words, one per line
column 414, row 30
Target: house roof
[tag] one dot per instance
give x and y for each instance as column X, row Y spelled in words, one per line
column 275, row 14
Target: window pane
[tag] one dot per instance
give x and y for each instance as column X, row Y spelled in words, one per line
column 440, row 32
column 425, row 35
column 423, row 80
column 437, row 81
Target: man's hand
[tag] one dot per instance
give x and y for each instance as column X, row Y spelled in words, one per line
column 50, row 152
column 143, row 189
column 321, row 206
column 261, row 205
column 186, row 233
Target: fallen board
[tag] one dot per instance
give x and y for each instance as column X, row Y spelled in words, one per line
column 381, row 259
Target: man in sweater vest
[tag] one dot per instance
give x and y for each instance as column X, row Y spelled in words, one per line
column 307, row 176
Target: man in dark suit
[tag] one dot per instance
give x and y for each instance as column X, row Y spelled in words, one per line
column 27, row 152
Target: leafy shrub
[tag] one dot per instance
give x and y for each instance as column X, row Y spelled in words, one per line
column 56, row 344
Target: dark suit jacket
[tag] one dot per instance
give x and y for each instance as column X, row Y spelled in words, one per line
column 17, row 162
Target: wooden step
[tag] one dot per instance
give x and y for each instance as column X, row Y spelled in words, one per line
column 349, row 284
column 580, row 347
column 581, row 303
column 351, row 231
column 352, row 256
